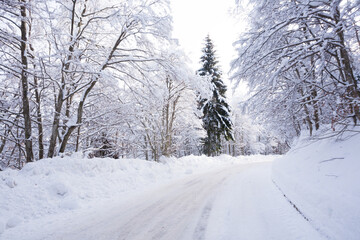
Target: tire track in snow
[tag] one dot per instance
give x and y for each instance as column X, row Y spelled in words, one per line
column 200, row 230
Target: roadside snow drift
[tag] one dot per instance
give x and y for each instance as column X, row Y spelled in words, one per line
column 322, row 178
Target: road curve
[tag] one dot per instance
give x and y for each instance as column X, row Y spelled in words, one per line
column 237, row 202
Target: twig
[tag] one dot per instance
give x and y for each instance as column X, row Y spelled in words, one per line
column 331, row 159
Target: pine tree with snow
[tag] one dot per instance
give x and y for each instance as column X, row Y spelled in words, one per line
column 216, row 112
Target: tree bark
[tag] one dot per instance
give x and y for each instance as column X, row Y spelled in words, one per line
column 37, row 100
column 346, row 67
column 25, row 84
column 3, row 142
column 39, row 120
column 60, row 97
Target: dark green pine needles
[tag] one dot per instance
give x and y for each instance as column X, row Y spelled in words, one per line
column 216, row 112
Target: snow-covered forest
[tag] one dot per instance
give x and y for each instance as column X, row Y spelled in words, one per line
column 108, row 130
column 301, row 61
column 106, row 79
column 88, row 76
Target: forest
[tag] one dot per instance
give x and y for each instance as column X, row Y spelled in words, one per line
column 107, row 79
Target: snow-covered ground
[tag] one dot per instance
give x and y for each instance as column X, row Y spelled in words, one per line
column 250, row 207
column 322, row 178
column 188, row 198
column 72, row 184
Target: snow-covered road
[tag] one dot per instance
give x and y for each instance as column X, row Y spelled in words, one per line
column 240, row 202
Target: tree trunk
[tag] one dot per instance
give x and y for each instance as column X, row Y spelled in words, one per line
column 146, row 149
column 92, row 83
column 3, row 143
column 77, row 140
column 316, row 108
column 346, row 67
column 25, row 84
column 39, row 120
column 55, row 125
column 60, row 98
column 80, row 111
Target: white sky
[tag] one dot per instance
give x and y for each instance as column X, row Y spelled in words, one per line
column 194, row 19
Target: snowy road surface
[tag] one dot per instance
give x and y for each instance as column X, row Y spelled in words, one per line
column 237, row 203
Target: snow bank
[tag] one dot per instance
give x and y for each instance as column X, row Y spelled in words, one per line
column 322, row 178
column 52, row 186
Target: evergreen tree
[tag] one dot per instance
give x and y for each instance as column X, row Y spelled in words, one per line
column 216, row 112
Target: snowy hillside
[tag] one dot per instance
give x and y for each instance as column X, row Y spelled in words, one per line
column 322, row 179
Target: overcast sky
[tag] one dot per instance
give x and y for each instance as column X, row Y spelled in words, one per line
column 194, row 19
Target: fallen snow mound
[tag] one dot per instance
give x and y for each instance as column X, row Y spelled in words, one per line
column 51, row 186
column 322, row 178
